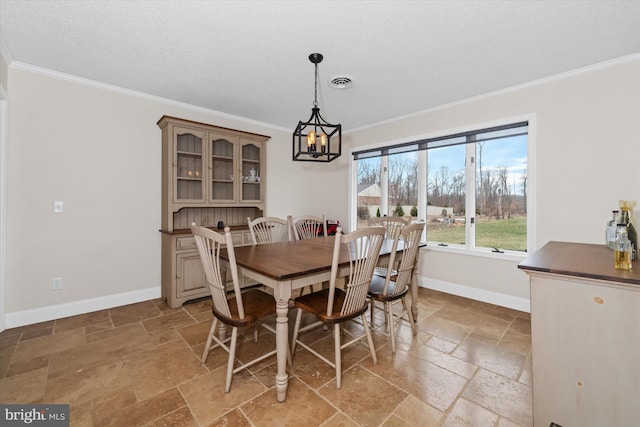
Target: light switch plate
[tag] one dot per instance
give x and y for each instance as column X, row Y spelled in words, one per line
column 58, row 207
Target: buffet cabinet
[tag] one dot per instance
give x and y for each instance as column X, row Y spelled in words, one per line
column 210, row 175
column 585, row 333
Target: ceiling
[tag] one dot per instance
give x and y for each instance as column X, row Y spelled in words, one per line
column 250, row 58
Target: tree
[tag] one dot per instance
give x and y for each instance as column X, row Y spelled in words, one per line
column 403, row 179
column 369, row 171
column 458, row 193
column 440, row 186
column 503, row 190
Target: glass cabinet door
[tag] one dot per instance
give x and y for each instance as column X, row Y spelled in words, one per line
column 223, row 175
column 188, row 170
column 251, row 156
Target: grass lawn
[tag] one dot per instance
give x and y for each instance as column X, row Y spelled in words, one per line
column 503, row 234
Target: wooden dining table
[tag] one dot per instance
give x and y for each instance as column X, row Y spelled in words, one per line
column 287, row 266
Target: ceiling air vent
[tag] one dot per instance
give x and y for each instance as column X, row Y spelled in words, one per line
column 341, row 82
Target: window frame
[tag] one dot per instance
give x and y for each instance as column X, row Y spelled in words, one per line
column 469, row 247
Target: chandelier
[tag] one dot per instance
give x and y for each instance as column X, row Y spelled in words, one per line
column 316, row 140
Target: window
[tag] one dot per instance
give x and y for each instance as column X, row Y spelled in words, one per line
column 473, row 186
column 446, row 194
column 395, row 177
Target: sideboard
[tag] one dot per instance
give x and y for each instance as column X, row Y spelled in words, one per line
column 585, row 331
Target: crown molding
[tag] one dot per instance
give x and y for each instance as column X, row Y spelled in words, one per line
column 128, row 92
column 544, row 80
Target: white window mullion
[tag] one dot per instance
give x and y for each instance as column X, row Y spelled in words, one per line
column 422, row 189
column 384, row 185
column 470, row 199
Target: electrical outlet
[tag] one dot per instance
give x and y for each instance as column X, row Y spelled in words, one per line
column 56, row 283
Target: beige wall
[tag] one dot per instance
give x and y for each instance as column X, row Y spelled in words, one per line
column 4, row 72
column 587, row 153
column 97, row 149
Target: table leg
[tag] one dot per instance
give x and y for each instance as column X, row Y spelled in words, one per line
column 222, row 331
column 282, row 294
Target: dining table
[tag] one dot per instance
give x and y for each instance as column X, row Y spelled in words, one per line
column 287, row 266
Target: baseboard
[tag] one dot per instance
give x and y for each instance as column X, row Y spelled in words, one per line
column 51, row 312
column 491, row 297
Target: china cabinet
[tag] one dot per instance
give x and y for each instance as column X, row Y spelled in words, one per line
column 210, row 174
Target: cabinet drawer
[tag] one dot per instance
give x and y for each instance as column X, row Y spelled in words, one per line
column 239, row 238
column 246, row 239
column 186, row 243
column 236, row 238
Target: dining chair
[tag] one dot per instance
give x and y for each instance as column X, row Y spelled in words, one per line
column 391, row 224
column 269, row 229
column 236, row 310
column 335, row 306
column 309, row 226
column 394, row 287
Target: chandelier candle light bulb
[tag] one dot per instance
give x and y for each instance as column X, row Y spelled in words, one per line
column 311, row 141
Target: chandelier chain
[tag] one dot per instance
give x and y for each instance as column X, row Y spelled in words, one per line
column 315, row 98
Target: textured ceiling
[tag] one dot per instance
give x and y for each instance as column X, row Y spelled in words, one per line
column 249, row 58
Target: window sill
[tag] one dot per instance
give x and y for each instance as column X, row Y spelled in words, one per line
column 479, row 252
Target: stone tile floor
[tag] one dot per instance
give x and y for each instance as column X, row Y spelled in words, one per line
column 469, row 365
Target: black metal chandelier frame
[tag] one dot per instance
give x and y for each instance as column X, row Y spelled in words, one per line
column 316, row 140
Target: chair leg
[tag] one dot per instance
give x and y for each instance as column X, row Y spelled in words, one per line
column 325, row 285
column 296, row 328
column 369, row 339
column 388, row 308
column 207, row 346
column 232, row 356
column 385, row 307
column 371, row 307
column 412, row 321
column 338, row 355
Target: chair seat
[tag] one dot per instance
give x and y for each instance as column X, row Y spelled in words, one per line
column 376, row 290
column 257, row 304
column 316, row 304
